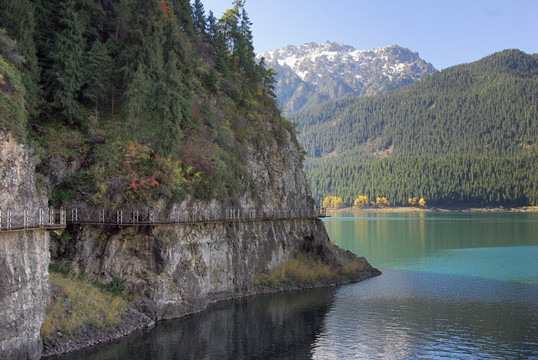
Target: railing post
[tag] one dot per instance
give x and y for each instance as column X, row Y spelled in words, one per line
column 41, row 217
column 151, row 216
column 102, row 216
column 119, row 217
column 25, row 218
column 74, row 215
column 63, row 217
column 51, row 216
column 135, row 216
column 8, row 222
column 1, row 217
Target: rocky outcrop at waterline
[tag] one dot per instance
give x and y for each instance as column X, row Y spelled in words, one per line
column 176, row 269
column 179, row 269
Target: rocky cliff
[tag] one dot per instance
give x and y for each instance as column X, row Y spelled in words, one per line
column 24, row 258
column 180, row 269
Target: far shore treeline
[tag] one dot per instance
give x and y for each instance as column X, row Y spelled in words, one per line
column 466, row 136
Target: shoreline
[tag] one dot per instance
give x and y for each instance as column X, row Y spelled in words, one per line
column 136, row 321
column 413, row 209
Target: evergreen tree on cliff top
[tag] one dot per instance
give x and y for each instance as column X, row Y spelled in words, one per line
column 158, row 76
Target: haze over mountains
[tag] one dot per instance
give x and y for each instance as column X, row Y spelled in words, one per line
column 311, row 74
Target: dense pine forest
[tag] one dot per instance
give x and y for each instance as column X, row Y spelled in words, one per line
column 464, row 136
column 135, row 100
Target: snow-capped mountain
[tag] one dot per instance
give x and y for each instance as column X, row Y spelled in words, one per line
column 312, row 73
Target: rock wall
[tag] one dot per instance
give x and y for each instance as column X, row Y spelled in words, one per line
column 24, row 292
column 24, row 257
column 180, row 269
column 17, row 179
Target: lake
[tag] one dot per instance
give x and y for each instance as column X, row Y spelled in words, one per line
column 454, row 285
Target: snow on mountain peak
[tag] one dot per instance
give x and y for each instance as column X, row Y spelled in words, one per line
column 332, row 70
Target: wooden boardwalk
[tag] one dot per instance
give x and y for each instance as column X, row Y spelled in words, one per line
column 53, row 219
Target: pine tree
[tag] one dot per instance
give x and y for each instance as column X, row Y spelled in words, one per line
column 245, row 47
column 67, row 57
column 199, row 20
column 137, row 95
column 99, row 76
column 183, row 11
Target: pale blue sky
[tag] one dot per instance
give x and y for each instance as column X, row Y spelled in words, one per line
column 444, row 33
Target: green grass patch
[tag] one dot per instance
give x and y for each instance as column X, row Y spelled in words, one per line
column 305, row 270
column 300, row 271
column 76, row 303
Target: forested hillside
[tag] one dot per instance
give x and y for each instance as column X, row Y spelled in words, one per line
column 467, row 135
column 128, row 101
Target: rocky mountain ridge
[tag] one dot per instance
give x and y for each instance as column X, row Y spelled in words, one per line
column 312, row 73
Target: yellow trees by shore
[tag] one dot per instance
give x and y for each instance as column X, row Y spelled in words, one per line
column 361, row 200
column 413, row 201
column 382, row 200
column 333, row 202
column 336, row 202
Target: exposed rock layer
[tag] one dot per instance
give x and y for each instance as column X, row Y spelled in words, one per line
column 24, row 258
column 180, row 269
column 24, row 292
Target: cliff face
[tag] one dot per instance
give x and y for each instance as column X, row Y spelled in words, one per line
column 24, row 258
column 24, row 292
column 180, row 269
column 17, row 179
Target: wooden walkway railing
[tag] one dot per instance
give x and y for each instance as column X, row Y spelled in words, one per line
column 59, row 218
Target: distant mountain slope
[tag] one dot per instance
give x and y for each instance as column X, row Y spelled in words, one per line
column 312, row 73
column 468, row 134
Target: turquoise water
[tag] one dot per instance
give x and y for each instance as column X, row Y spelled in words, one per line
column 498, row 246
column 454, row 286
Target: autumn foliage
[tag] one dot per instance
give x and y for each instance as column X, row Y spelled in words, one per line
column 361, row 200
column 164, row 5
column 333, row 202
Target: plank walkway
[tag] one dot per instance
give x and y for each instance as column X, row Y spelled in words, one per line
column 53, row 219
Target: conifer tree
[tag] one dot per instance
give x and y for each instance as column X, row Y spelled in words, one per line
column 183, row 11
column 245, row 47
column 99, row 76
column 67, row 57
column 199, row 20
column 137, row 95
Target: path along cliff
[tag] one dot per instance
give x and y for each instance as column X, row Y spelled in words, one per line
column 175, row 269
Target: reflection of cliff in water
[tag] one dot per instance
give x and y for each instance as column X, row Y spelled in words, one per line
column 283, row 326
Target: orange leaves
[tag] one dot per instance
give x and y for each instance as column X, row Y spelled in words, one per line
column 168, row 12
column 138, row 184
column 138, row 161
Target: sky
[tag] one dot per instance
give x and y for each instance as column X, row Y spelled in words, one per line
column 443, row 32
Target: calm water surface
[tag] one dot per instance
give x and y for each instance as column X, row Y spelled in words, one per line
column 454, row 286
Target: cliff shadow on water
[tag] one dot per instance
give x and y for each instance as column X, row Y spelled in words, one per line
column 293, row 320
column 173, row 271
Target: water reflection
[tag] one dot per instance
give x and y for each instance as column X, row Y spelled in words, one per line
column 283, row 326
column 458, row 286
column 397, row 240
column 408, row 315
